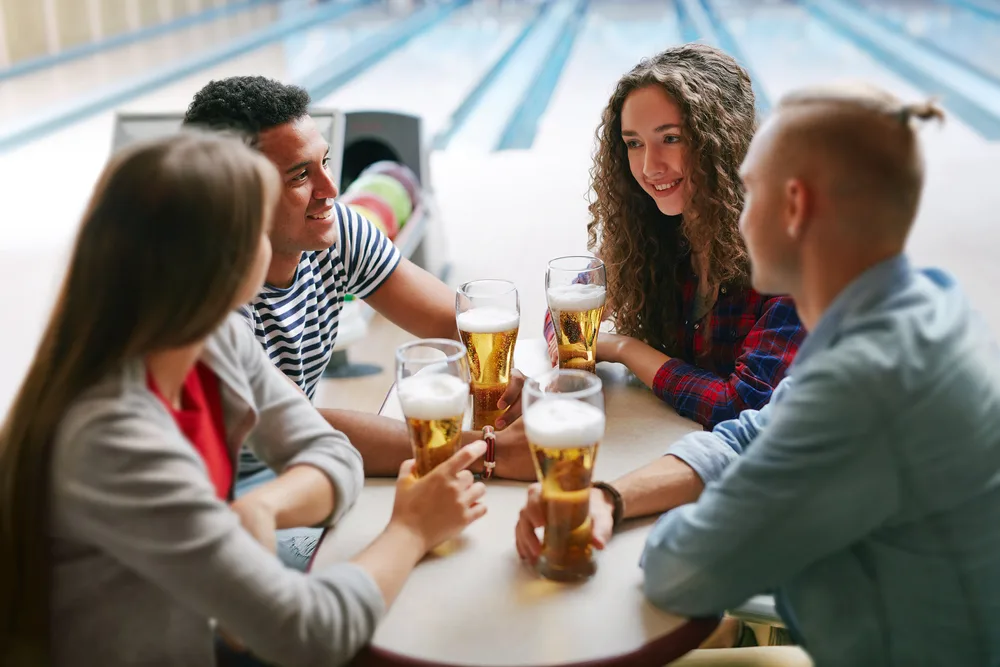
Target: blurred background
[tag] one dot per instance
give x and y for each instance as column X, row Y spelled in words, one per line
column 493, row 103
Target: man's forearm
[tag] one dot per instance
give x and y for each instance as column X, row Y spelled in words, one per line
column 382, row 441
column 659, row 486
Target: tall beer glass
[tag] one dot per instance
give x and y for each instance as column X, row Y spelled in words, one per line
column 575, row 289
column 564, row 422
column 488, row 313
column 432, row 381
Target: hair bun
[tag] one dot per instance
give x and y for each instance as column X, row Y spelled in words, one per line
column 922, row 111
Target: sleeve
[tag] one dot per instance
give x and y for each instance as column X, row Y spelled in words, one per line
column 767, row 352
column 144, row 499
column 369, row 256
column 291, row 431
column 549, row 331
column 709, row 454
column 247, row 314
column 817, row 478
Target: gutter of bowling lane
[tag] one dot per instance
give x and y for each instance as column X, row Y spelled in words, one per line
column 108, row 98
column 992, row 13
column 344, row 67
column 966, row 93
column 523, row 125
column 699, row 20
column 728, row 44
column 465, row 109
column 930, row 46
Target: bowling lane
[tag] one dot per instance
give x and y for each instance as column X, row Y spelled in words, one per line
column 788, row 48
column 81, row 150
column 431, row 75
column 963, row 33
column 30, row 93
column 615, row 36
column 289, row 60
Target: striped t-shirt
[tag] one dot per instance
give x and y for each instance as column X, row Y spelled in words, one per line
column 297, row 325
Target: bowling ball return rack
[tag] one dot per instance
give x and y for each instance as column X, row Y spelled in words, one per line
column 370, row 138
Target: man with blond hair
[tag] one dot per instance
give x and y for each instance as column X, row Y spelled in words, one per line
column 867, row 493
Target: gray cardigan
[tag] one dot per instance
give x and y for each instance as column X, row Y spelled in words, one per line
column 146, row 558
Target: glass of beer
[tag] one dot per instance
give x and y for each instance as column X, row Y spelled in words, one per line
column 432, row 381
column 488, row 313
column 575, row 289
column 564, row 422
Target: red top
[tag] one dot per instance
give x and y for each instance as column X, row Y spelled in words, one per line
column 200, row 420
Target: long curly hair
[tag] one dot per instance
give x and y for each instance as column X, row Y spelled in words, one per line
column 640, row 246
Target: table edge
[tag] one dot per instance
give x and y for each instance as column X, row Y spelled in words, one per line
column 656, row 653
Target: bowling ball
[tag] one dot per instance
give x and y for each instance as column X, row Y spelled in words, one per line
column 389, row 189
column 401, row 173
column 370, row 216
column 375, row 209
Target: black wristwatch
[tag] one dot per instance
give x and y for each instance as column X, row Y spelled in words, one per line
column 616, row 500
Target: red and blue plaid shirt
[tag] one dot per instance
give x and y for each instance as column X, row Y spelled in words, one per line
column 750, row 345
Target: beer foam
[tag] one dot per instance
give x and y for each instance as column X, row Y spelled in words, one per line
column 433, row 396
column 488, row 319
column 576, row 297
column 563, row 422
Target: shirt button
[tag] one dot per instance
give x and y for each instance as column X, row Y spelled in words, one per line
column 723, row 290
column 696, row 326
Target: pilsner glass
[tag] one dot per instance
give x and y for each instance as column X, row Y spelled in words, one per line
column 564, row 422
column 432, row 381
column 575, row 289
column 488, row 314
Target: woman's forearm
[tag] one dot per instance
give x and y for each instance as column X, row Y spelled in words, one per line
column 390, row 559
column 643, row 360
column 300, row 496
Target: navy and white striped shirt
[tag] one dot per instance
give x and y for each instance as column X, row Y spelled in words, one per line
column 297, row 325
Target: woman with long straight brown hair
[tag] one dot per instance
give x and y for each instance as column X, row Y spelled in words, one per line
column 120, row 542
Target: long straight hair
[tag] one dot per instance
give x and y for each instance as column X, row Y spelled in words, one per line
column 161, row 257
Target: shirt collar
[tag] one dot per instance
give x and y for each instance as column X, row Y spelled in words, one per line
column 870, row 287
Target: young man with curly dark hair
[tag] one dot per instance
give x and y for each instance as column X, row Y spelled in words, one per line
column 321, row 251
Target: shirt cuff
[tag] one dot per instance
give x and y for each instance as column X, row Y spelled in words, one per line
column 707, row 455
column 669, row 376
column 343, row 477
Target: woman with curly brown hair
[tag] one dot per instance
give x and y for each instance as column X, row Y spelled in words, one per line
column 665, row 223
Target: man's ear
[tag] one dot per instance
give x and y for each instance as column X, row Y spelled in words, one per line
column 797, row 207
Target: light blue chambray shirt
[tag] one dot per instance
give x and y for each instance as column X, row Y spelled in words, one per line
column 868, row 496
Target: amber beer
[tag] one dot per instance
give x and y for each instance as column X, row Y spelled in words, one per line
column 576, row 312
column 434, row 406
column 489, row 334
column 564, row 435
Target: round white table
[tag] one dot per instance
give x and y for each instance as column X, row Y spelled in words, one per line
column 478, row 605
